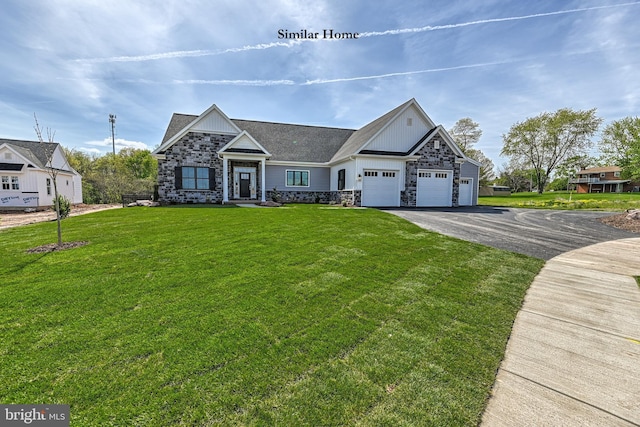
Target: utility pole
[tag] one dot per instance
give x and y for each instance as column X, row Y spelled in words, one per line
column 112, row 120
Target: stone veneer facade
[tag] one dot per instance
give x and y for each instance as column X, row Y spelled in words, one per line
column 442, row 158
column 201, row 150
column 194, row 149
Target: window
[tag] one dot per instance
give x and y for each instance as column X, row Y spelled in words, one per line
column 5, row 183
column 15, row 183
column 389, row 174
column 297, row 178
column 424, row 174
column 48, row 186
column 442, row 175
column 194, row 178
column 341, row 179
column 616, row 174
column 602, row 175
column 370, row 173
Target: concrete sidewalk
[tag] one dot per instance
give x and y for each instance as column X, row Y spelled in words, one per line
column 573, row 358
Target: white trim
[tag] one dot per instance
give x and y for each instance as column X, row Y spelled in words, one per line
column 20, row 156
column 167, row 144
column 262, row 180
column 301, row 164
column 387, row 157
column 225, row 180
column 412, row 102
column 251, row 139
column 253, row 188
column 447, row 139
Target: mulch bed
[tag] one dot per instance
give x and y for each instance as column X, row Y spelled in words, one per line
column 52, row 247
column 621, row 221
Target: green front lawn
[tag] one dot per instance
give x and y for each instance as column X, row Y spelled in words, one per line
column 303, row 315
column 566, row 200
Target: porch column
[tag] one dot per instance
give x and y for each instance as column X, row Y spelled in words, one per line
column 225, row 180
column 262, row 183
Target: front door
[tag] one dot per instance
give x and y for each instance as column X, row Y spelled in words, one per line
column 245, row 185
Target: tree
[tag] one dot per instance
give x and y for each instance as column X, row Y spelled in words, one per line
column 106, row 178
column 486, row 165
column 620, row 146
column 51, row 171
column 545, row 141
column 516, row 178
column 465, row 132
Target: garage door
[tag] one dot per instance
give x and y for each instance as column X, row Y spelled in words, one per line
column 434, row 188
column 466, row 192
column 380, row 188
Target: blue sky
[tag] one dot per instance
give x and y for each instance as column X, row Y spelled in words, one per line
column 73, row 62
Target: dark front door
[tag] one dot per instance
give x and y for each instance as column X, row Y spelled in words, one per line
column 245, row 184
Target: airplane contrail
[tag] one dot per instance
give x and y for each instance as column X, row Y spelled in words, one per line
column 486, row 21
column 189, row 53
column 294, row 42
column 237, row 82
column 403, row 73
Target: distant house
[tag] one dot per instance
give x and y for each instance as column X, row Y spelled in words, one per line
column 603, row 180
column 402, row 158
column 24, row 180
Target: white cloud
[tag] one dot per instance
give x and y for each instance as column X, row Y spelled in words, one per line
column 120, row 143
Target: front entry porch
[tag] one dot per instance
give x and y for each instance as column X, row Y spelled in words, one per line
column 243, row 179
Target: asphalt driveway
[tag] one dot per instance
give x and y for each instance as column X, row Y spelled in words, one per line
column 539, row 233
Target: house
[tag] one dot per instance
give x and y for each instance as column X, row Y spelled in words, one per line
column 399, row 159
column 25, row 178
column 603, row 180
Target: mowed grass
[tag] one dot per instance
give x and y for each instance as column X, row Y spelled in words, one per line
column 293, row 316
column 566, row 200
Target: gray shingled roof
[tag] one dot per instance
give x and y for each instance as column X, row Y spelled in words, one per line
column 36, row 152
column 285, row 142
column 176, row 124
column 296, row 143
column 299, row 143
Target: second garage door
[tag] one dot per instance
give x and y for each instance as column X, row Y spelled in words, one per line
column 435, row 188
column 466, row 192
column 380, row 188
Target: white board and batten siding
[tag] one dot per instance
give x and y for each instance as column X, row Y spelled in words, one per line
column 214, row 122
column 350, row 175
column 244, row 142
column 402, row 133
column 434, row 188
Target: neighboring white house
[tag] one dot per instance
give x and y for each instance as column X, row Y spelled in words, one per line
column 402, row 158
column 24, row 178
